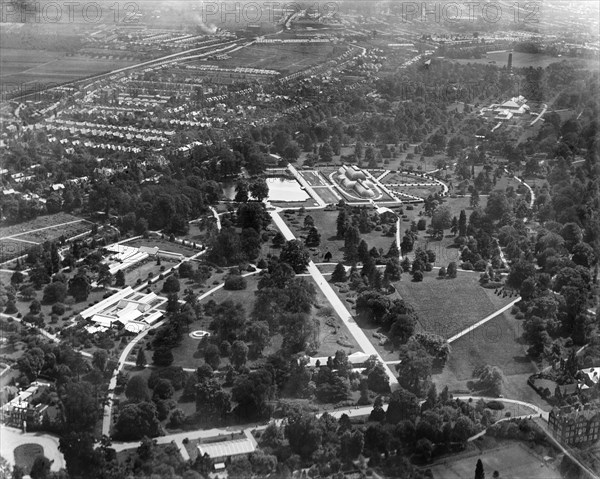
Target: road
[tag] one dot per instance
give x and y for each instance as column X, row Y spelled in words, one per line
column 358, row 334
column 11, row 437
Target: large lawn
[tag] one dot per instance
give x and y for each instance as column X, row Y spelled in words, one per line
column 511, row 460
column 333, row 334
column 325, row 222
column 498, row 343
column 447, row 306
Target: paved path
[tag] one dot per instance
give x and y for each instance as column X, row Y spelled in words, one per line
column 358, row 334
column 484, row 320
column 11, row 437
column 217, row 217
column 44, row 228
column 306, row 185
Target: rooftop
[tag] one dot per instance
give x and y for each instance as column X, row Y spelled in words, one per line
column 227, row 448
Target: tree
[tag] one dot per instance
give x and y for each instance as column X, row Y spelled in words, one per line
column 415, row 367
column 424, row 448
column 462, row 223
column 441, row 220
column 392, row 271
column 341, row 224
column 55, row 292
column 259, row 337
column 303, row 432
column 212, row 356
column 490, row 379
column 479, row 472
column 141, row 360
column 105, row 278
column 212, row 400
column 99, row 359
column 35, row 307
column 259, row 189
column 295, row 254
column 136, row 421
column 451, row 271
column 162, row 357
column 309, row 222
column 119, row 279
column 474, row 201
column 163, row 389
column 378, row 380
column 171, row 285
column 137, row 389
column 80, row 286
column 239, row 354
column 339, row 274
column 40, row 468
column 313, row 238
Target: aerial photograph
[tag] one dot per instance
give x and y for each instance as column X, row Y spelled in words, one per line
column 348, row 239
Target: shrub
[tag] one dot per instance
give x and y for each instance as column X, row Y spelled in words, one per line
column 495, row 405
column 480, row 265
column 235, row 283
column 467, row 265
column 428, row 266
column 58, row 309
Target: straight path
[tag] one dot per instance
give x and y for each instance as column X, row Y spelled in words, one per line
column 306, row 185
column 483, row 321
column 42, row 229
column 358, row 334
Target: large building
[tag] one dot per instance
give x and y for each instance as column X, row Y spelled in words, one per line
column 575, row 425
column 354, row 179
column 131, row 309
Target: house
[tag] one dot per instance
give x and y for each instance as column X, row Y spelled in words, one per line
column 20, row 411
column 566, row 390
column 575, row 425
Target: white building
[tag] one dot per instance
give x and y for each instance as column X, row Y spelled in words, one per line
column 134, row 310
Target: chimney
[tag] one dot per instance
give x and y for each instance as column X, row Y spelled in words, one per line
column 509, row 62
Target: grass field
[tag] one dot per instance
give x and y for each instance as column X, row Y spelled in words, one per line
column 497, row 343
column 163, row 245
column 325, row 222
column 23, row 67
column 512, row 460
column 525, row 60
column 25, row 455
column 285, row 58
column 16, row 240
column 447, row 306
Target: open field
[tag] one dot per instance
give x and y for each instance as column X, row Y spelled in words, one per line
column 163, row 245
column 16, row 240
column 525, row 60
column 288, row 58
column 326, row 194
column 497, row 343
column 325, row 222
column 512, row 460
column 39, row 69
column 447, row 306
column 38, row 223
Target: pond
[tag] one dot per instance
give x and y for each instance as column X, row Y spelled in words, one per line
column 280, row 189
